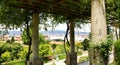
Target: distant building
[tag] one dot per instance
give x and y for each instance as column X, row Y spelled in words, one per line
column 54, row 37
column 7, row 37
column 17, row 38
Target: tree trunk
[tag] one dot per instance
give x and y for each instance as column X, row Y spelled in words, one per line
column 98, row 28
column 35, row 36
column 35, row 41
column 116, row 33
column 72, row 56
column 119, row 17
column 72, row 38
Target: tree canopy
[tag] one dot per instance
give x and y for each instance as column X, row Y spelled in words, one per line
column 10, row 16
column 112, row 8
column 68, row 8
column 12, row 13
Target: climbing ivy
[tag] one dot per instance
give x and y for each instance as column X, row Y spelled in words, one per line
column 102, row 51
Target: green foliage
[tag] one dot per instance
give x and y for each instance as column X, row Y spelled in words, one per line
column 11, row 41
column 8, row 41
column 82, row 59
column 78, row 45
column 117, row 52
column 62, row 49
column 26, row 40
column 6, row 56
column 105, row 49
column 112, row 8
column 12, row 48
column 79, row 53
column 59, row 52
column 44, row 49
column 62, row 56
column 45, row 52
column 24, row 36
column 2, row 50
column 42, row 39
column 85, row 44
column 12, row 17
column 23, row 53
column 53, row 46
column 59, row 49
column 67, row 47
column 102, row 50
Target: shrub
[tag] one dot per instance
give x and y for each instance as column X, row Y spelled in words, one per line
column 78, row 46
column 62, row 49
column 62, row 56
column 6, row 56
column 12, row 48
column 85, row 44
column 101, row 51
column 23, row 53
column 82, row 59
column 1, row 49
column 58, row 50
column 44, row 49
column 53, row 46
column 117, row 52
column 12, row 40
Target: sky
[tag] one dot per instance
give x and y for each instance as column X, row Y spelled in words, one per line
column 84, row 28
column 63, row 27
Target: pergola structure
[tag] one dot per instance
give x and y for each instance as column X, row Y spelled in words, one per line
column 71, row 9
column 68, row 8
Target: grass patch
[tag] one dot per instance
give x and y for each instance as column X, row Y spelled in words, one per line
column 15, row 62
